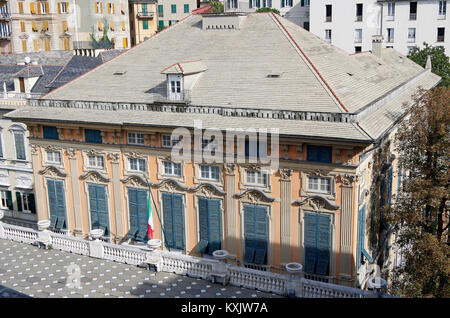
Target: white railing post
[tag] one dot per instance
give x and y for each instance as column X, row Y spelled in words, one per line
column 96, row 246
column 43, row 238
column 2, row 230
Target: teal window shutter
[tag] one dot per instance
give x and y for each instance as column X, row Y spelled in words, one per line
column 160, row 24
column 144, row 8
column 255, row 234
column 310, row 242
column 133, row 211
column 160, row 9
column 60, row 204
column 93, row 136
column 53, row 220
column 167, row 217
column 9, row 200
column 249, row 233
column 319, row 154
column 32, row 203
column 361, row 232
column 174, row 8
column 19, row 201
column 50, row 132
column 186, row 8
column 323, row 244
column 203, row 225
column 99, row 207
column 19, row 141
column 142, row 206
column 145, row 24
column 52, row 202
column 214, row 225
column 178, row 222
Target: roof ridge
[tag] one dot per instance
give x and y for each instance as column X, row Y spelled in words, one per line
column 60, row 71
column 297, row 46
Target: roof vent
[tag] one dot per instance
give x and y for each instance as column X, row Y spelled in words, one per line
column 273, row 75
column 222, row 21
column 119, row 72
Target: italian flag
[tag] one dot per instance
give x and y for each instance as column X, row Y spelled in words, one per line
column 150, row 227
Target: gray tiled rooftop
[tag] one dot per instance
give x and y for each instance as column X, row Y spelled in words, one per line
column 43, row 273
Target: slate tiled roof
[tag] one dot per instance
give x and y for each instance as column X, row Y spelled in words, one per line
column 42, row 58
column 30, row 71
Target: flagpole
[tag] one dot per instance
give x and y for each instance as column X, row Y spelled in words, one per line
column 157, row 213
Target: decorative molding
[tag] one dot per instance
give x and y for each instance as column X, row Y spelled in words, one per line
column 285, row 174
column 135, row 181
column 229, row 168
column 319, row 173
column 72, row 153
column 51, row 148
column 94, row 176
column 93, row 152
column 170, row 185
column 135, row 155
column 348, row 179
column 254, row 196
column 34, row 149
column 53, row 171
column 316, row 202
column 208, row 190
column 114, row 157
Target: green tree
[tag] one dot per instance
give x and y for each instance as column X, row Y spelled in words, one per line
column 265, row 9
column 161, row 27
column 216, row 7
column 420, row 216
column 439, row 60
column 102, row 42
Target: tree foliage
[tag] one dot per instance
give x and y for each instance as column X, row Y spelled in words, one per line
column 420, row 216
column 216, row 7
column 439, row 60
column 265, row 9
column 102, row 42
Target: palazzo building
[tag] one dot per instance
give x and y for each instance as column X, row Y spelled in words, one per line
column 99, row 142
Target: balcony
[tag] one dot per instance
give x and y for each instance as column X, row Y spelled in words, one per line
column 5, row 16
column 411, row 39
column 5, row 35
column 440, row 38
column 359, row 18
column 442, row 16
column 390, row 17
column 145, row 15
column 413, row 16
column 163, row 96
column 18, row 96
column 328, row 19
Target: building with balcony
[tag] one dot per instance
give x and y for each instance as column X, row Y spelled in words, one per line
column 5, row 28
column 404, row 25
column 308, row 192
column 170, row 12
column 143, row 20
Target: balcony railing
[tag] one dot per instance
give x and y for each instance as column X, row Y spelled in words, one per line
column 5, row 35
column 440, row 38
column 5, row 15
column 328, row 19
column 359, row 18
column 163, row 96
column 187, row 265
column 18, row 96
column 146, row 15
column 413, row 16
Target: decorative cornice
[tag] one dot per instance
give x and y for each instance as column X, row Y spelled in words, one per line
column 317, row 202
column 93, row 152
column 135, row 181
column 229, row 168
column 348, row 179
column 52, row 171
column 170, row 184
column 254, row 195
column 114, row 157
column 285, row 174
column 319, row 173
column 135, row 155
column 94, row 176
column 71, row 152
column 208, row 189
column 34, row 149
column 51, row 148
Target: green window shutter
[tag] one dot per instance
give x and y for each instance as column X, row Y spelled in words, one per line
column 141, row 196
column 249, row 233
column 93, row 136
column 20, row 146
column 178, row 223
column 1, row 146
column 203, row 225
column 323, row 244
column 160, row 24
column 99, row 207
column 186, row 8
column 174, row 8
column 145, row 24
column 167, row 217
column 310, row 242
column 361, row 231
column 160, row 9
column 9, row 200
column 32, row 203
column 60, row 204
column 214, row 225
column 95, row 222
column 19, row 201
column 261, row 235
column 133, row 211
column 144, row 8
column 53, row 221
column 52, row 200
column 50, row 132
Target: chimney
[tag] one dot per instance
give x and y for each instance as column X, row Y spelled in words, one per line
column 377, row 41
column 428, row 64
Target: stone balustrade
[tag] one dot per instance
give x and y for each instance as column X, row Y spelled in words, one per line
column 189, row 265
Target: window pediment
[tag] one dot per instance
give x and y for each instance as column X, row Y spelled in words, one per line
column 316, row 203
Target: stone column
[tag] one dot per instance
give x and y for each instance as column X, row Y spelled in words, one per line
column 285, row 215
column 230, row 210
column 346, row 224
column 120, row 228
column 41, row 212
column 78, row 228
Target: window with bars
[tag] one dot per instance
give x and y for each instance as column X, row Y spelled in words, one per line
column 137, row 164
column 209, row 172
column 319, row 185
column 54, row 157
column 172, row 168
column 258, row 178
column 96, row 162
column 135, row 138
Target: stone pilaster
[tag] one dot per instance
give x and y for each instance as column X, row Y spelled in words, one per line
column 230, row 210
column 346, row 225
column 39, row 191
column 285, row 215
column 120, row 227
column 78, row 228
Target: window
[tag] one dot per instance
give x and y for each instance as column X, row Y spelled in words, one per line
column 169, row 141
column 25, row 202
column 318, row 154
column 43, row 7
column 19, row 142
column 54, row 157
column 110, row 9
column 137, row 164
column 209, row 225
column 93, row 136
column 209, row 144
column 64, row 7
column 209, row 172
column 6, row 200
column 56, row 203
column 160, row 24
column 256, row 234
column 413, row 10
column 172, row 168
column 258, row 178
column 124, row 41
column 317, row 239
column 20, row 7
column 391, row 10
column 232, row 4
column 50, row 132
column 358, row 49
column 412, row 35
column 306, row 25
column 96, row 162
column 319, row 185
column 123, row 26
column 443, row 8
column 186, row 8
column 174, row 8
column 328, row 13
column 173, row 220
column 160, row 11
column 22, row 26
column 390, row 35
column 358, row 35
column 98, row 7
column 440, row 34
column 98, row 206
column 304, row 3
column 145, row 24
column 135, row 138
column 137, row 208
column 359, row 12
column 328, row 35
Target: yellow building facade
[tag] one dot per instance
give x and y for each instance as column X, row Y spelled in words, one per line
column 143, row 20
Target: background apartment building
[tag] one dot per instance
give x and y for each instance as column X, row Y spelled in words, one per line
column 143, row 20
column 351, row 24
column 61, row 25
column 172, row 11
column 284, row 6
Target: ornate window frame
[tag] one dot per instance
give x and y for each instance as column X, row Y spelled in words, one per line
column 161, row 175
column 134, row 181
column 243, row 177
column 19, row 128
column 92, row 152
column 51, row 148
column 127, row 165
column 198, row 174
column 304, row 178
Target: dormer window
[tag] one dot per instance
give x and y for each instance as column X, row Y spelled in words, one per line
column 175, row 92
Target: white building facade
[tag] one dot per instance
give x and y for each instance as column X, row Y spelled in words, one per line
column 350, row 24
